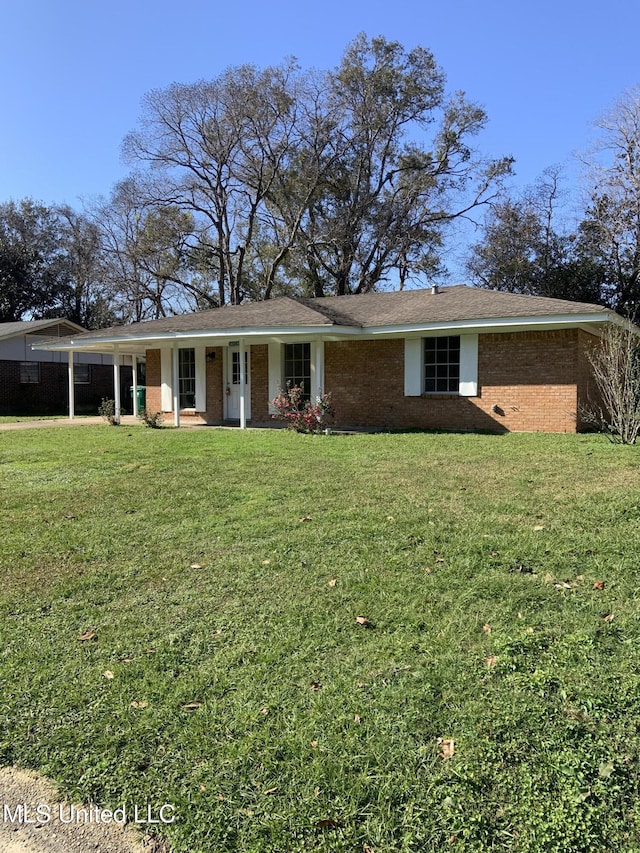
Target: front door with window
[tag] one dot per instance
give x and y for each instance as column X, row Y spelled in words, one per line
column 233, row 385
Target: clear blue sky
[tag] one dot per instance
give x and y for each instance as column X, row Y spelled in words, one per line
column 73, row 72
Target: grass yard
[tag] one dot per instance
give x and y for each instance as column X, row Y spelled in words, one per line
column 178, row 621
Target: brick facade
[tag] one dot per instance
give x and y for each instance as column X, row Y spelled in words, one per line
column 527, row 381
column 50, row 396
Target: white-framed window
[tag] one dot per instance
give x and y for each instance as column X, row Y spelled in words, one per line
column 297, row 367
column 442, row 365
column 81, row 374
column 29, row 373
column 187, row 378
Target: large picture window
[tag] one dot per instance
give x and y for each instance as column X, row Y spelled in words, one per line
column 297, row 367
column 442, row 365
column 187, row 378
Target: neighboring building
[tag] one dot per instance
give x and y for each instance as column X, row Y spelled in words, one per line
column 38, row 382
column 455, row 358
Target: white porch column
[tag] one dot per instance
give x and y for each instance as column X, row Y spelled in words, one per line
column 243, row 380
column 72, row 407
column 319, row 368
column 116, row 382
column 134, row 370
column 176, row 388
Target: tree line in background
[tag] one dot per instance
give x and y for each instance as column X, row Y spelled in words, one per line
column 264, row 182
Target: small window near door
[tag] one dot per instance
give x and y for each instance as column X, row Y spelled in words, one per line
column 82, row 374
column 297, row 367
column 29, row 373
column 187, row 378
column 442, row 365
column 235, row 367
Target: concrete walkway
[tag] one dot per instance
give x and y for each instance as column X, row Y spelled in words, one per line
column 126, row 420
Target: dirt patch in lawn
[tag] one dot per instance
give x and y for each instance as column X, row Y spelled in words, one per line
column 35, row 819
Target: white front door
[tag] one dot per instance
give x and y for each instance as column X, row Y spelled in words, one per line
column 233, row 384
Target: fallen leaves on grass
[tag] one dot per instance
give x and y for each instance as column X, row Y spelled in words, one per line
column 196, row 566
column 141, row 704
column 332, row 582
column 447, row 747
column 304, row 518
column 491, row 661
column 609, row 617
column 366, row 623
column 326, row 823
column 538, row 527
column 315, row 685
column 89, row 634
column 598, row 585
column 108, row 674
column 486, row 629
column 192, row 706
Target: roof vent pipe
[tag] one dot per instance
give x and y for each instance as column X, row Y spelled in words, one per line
column 434, row 289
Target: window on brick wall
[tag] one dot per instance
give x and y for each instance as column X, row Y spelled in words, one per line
column 187, row 378
column 442, row 365
column 29, row 373
column 297, row 367
column 82, row 374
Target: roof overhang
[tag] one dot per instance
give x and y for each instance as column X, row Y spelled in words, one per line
column 138, row 344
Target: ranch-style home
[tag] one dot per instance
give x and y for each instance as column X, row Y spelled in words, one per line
column 458, row 358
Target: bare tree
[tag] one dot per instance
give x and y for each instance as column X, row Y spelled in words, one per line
column 524, row 248
column 616, row 369
column 383, row 206
column 611, row 229
column 222, row 146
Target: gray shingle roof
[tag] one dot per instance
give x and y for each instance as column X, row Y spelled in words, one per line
column 371, row 310
column 29, row 327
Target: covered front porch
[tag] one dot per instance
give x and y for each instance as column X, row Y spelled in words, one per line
column 214, row 379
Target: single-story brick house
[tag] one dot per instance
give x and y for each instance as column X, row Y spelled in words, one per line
column 452, row 358
column 38, row 382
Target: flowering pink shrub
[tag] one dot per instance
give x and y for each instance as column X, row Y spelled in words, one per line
column 300, row 414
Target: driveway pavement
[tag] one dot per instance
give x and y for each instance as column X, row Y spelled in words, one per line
column 126, row 420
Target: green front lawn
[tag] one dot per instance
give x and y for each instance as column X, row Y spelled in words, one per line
column 178, row 623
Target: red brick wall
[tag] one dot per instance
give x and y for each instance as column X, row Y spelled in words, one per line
column 214, row 386
column 260, row 384
column 530, row 378
column 527, row 381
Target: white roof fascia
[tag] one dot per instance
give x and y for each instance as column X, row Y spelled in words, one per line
column 494, row 324
column 199, row 334
column 220, row 337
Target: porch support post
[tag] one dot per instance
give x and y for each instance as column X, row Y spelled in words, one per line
column 134, row 370
column 243, row 380
column 116, row 382
column 319, row 367
column 176, row 389
column 72, row 407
